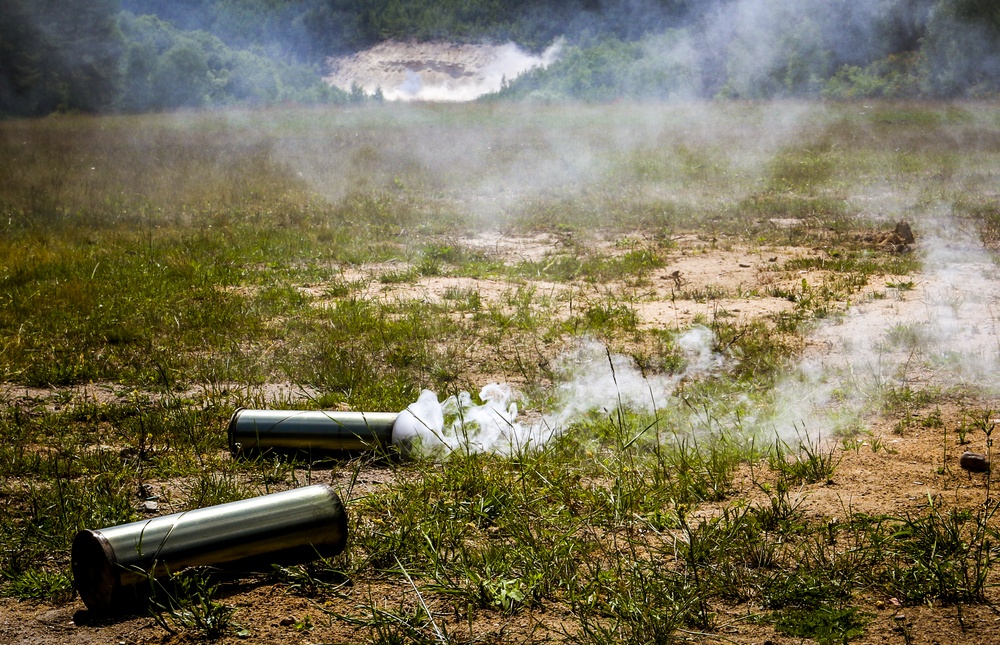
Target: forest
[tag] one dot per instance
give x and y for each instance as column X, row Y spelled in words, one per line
column 152, row 55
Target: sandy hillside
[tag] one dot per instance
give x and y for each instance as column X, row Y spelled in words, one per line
column 434, row 71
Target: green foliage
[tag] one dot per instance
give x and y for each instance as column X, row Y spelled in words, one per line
column 190, row 607
column 943, row 555
column 825, row 625
column 960, row 50
column 58, row 55
column 40, row 584
column 782, row 51
column 793, row 49
column 165, row 68
column 611, row 68
column 812, row 463
column 895, row 77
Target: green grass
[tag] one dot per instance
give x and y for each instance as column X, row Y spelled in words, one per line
column 184, row 263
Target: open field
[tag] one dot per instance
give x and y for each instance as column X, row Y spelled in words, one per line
column 736, row 392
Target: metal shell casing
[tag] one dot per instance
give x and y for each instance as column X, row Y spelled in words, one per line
column 110, row 565
column 257, row 431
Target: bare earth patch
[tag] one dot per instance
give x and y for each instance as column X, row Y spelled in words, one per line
column 434, row 71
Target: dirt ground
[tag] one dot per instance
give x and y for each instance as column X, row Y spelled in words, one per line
column 910, row 464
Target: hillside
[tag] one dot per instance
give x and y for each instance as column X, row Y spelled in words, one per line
column 434, row 71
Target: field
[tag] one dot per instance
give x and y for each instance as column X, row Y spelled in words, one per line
column 733, row 391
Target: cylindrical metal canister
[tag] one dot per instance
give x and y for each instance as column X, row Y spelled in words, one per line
column 253, row 431
column 110, row 565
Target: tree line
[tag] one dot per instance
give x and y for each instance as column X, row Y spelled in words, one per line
column 759, row 49
column 143, row 55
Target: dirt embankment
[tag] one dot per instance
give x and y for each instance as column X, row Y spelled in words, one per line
column 434, row 71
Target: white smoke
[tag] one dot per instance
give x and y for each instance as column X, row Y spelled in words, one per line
column 939, row 331
column 593, row 379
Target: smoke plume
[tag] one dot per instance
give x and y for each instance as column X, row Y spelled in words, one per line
column 591, row 379
column 939, row 331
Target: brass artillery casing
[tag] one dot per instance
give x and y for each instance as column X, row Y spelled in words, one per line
column 110, row 565
column 256, row 431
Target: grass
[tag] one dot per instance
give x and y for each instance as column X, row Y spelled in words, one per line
column 181, row 265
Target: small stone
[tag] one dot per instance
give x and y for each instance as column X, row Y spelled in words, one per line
column 287, row 622
column 150, row 506
column 974, row 462
column 904, row 232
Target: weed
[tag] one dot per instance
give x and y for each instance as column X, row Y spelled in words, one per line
column 810, row 464
column 40, row 584
column 211, row 488
column 943, row 555
column 402, row 276
column 781, row 513
column 314, row 579
column 634, row 602
column 825, row 625
column 189, row 605
column 409, row 625
column 877, row 444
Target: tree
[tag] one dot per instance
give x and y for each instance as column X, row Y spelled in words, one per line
column 181, row 77
column 981, row 12
column 961, row 50
column 58, row 55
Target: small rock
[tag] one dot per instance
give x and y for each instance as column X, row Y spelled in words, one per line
column 904, row 232
column 974, row 462
column 287, row 622
column 150, row 506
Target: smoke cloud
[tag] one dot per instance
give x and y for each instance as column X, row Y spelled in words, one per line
column 591, row 379
column 940, row 331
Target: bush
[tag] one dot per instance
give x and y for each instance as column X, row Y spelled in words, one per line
column 895, row 76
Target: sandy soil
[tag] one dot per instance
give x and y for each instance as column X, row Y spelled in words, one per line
column 433, row 71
